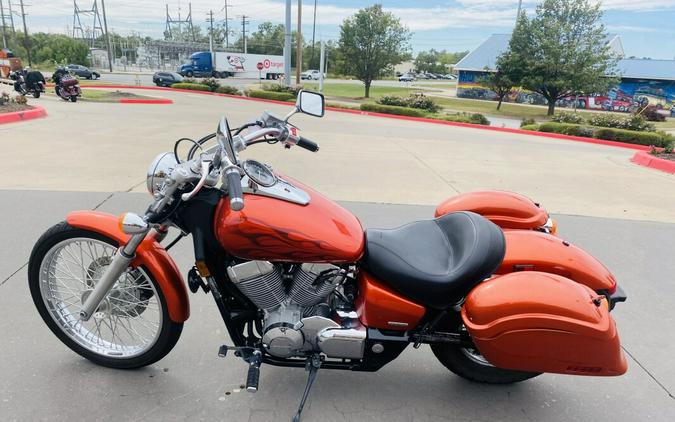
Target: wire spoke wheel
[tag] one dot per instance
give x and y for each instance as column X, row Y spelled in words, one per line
column 129, row 319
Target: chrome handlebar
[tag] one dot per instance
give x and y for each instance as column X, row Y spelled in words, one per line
column 205, row 170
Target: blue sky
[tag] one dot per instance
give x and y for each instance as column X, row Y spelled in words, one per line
column 647, row 27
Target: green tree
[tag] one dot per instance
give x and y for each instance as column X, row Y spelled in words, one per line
column 371, row 42
column 562, row 50
column 430, row 61
column 500, row 83
column 51, row 48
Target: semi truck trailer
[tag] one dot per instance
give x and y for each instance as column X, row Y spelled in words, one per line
column 225, row 64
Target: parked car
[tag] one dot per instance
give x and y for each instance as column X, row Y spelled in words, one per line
column 311, row 74
column 166, row 78
column 82, row 71
column 406, row 77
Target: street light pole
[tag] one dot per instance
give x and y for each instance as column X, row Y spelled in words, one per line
column 287, row 45
column 107, row 36
column 298, row 58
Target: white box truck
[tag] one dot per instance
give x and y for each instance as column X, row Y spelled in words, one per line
column 223, row 64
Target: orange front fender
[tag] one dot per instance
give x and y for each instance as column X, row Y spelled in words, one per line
column 536, row 251
column 150, row 255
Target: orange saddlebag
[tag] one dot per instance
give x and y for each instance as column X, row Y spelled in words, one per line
column 540, row 322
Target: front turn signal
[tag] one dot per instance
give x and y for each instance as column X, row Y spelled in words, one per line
column 131, row 223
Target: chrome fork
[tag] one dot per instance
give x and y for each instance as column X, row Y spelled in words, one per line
column 132, row 223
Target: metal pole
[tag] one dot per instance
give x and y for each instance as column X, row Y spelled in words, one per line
column 107, row 36
column 287, row 46
column 2, row 14
column 243, row 32
column 311, row 58
column 211, row 32
column 520, row 5
column 25, row 34
column 298, row 58
column 322, row 65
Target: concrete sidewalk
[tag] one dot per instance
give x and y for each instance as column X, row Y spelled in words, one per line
column 107, row 147
column 43, row 380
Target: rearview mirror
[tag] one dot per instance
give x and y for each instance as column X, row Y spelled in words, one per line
column 311, row 103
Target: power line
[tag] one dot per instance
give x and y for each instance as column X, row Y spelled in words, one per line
column 83, row 32
column 26, row 42
column 2, row 15
column 168, row 32
column 227, row 25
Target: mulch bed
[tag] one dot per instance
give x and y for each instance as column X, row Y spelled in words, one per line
column 665, row 156
column 12, row 107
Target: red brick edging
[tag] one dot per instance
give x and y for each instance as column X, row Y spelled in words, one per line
column 646, row 159
column 16, row 116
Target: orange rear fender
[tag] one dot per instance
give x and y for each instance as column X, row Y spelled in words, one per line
column 537, row 251
column 150, row 255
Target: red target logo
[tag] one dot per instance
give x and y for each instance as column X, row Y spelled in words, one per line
column 267, row 63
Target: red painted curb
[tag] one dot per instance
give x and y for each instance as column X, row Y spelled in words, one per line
column 35, row 113
column 646, row 159
column 145, row 101
column 408, row 118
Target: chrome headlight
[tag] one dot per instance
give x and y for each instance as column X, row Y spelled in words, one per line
column 159, row 171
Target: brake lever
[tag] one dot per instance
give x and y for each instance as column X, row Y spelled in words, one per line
column 206, row 165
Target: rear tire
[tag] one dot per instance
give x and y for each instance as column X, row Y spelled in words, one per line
column 36, row 94
column 168, row 332
column 470, row 364
column 73, row 98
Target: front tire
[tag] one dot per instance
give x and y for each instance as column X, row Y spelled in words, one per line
column 36, row 94
column 73, row 98
column 469, row 364
column 130, row 329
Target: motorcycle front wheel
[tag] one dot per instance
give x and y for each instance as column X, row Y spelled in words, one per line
column 36, row 94
column 468, row 362
column 73, row 98
column 131, row 327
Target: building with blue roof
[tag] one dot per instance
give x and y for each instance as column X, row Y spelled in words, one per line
column 643, row 81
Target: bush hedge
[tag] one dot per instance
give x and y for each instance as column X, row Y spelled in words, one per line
column 412, row 101
column 658, row 139
column 293, row 89
column 568, row 118
column 188, row 85
column 270, row 95
column 226, row 89
column 401, row 111
column 474, row 118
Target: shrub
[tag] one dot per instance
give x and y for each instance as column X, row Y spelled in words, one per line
column 401, row 111
column 188, row 85
column 211, row 83
column 658, row 139
column 419, row 100
column 479, row 119
column 226, row 89
column 568, row 118
column 533, row 126
column 270, row 95
column 528, row 122
column 4, row 98
column 20, row 99
column 475, row 118
column 190, row 81
column 630, row 123
column 294, row 89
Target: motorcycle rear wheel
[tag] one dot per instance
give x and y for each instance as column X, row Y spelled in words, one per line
column 73, row 98
column 469, row 364
column 36, row 94
column 130, row 329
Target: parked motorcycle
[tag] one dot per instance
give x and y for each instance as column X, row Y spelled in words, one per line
column 28, row 82
column 299, row 283
column 66, row 86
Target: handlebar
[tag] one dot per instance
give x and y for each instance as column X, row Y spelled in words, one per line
column 307, row 144
column 234, row 189
column 205, row 167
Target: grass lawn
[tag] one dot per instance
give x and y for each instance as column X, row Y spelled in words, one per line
column 354, row 91
column 668, row 124
column 490, row 107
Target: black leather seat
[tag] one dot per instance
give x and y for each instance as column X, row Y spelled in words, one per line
column 436, row 262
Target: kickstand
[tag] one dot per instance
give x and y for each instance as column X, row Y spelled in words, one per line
column 313, row 365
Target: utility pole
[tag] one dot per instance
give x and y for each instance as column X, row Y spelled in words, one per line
column 298, row 58
column 210, row 20
column 227, row 26
column 26, row 42
column 243, row 31
column 287, row 45
column 107, row 36
column 520, row 6
column 311, row 59
column 2, row 14
column 322, row 64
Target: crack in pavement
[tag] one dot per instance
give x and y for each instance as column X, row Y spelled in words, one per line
column 13, row 274
column 425, row 164
column 663, row 387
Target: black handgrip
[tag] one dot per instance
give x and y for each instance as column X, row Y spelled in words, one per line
column 253, row 377
column 234, row 190
column 308, row 145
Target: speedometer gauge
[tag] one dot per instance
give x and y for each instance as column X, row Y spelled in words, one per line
column 259, row 173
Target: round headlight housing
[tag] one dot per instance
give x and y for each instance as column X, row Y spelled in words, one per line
column 160, row 169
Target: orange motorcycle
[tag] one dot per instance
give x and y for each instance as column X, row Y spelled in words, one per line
column 299, row 283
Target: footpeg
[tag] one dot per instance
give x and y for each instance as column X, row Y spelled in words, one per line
column 222, row 351
column 253, row 376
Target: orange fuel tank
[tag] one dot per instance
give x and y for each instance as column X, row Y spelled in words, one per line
column 528, row 250
column 508, row 210
column 276, row 230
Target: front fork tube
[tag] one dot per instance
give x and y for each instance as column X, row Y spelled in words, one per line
column 117, row 267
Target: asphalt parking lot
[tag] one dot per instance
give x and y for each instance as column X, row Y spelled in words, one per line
column 388, row 172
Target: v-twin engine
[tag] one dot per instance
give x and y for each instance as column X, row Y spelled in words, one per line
column 298, row 318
